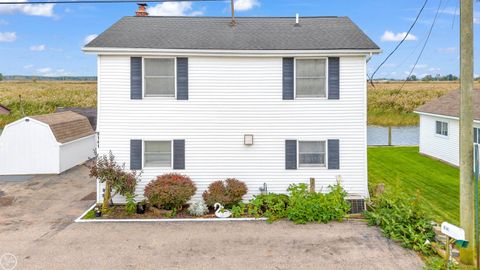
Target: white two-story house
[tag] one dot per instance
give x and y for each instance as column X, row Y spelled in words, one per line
column 265, row 100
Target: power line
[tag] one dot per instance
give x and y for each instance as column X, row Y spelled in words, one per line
column 104, row 2
column 424, row 44
column 400, row 43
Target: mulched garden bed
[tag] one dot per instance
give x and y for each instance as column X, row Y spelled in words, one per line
column 118, row 212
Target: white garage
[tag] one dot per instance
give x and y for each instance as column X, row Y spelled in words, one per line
column 46, row 144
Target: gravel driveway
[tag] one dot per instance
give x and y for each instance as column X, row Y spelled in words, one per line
column 36, row 225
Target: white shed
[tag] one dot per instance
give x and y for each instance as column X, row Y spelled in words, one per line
column 440, row 127
column 46, row 144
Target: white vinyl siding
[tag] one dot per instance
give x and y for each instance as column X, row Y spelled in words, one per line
column 228, row 98
column 439, row 146
column 312, row 153
column 157, row 154
column 311, row 77
column 441, row 128
column 159, row 77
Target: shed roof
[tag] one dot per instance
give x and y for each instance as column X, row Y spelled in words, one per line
column 4, row 110
column 449, row 105
column 250, row 33
column 90, row 113
column 66, row 126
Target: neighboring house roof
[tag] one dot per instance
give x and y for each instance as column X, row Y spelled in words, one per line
column 449, row 105
column 4, row 110
column 90, row 113
column 66, row 126
column 250, row 33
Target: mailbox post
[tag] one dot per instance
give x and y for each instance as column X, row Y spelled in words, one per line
column 455, row 233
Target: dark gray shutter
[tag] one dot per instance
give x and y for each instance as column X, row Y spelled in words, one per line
column 290, row 154
column 135, row 154
column 288, row 78
column 333, row 154
column 179, row 154
column 333, row 78
column 475, row 135
column 135, row 78
column 182, row 78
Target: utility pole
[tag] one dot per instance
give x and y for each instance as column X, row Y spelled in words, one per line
column 233, row 22
column 467, row 184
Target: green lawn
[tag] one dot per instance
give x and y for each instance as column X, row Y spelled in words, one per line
column 404, row 169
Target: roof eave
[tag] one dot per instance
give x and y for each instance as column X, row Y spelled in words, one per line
column 130, row 51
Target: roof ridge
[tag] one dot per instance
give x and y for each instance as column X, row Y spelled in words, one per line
column 236, row 17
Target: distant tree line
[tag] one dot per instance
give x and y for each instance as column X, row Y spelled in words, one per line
column 429, row 78
column 47, row 78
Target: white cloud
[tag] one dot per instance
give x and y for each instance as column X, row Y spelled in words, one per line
column 243, row 5
column 447, row 50
column 8, row 36
column 89, row 38
column 29, row 66
column 37, row 48
column 44, row 70
column 419, row 66
column 434, row 69
column 47, row 71
column 390, row 36
column 174, row 9
column 28, row 9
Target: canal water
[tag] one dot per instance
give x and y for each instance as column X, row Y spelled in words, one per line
column 401, row 136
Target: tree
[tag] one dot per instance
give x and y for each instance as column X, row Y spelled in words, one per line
column 412, row 78
column 1, row 77
column 428, row 78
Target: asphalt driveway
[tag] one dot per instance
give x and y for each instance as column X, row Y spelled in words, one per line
column 36, row 225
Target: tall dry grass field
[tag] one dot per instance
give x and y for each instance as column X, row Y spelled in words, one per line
column 44, row 97
column 390, row 106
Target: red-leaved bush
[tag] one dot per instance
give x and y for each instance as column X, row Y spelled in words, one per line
column 170, row 191
column 228, row 192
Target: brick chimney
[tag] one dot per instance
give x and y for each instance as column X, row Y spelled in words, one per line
column 142, row 10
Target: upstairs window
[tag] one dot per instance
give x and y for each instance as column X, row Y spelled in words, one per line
column 311, row 77
column 476, row 135
column 159, row 77
column 441, row 128
column 311, row 153
column 158, row 154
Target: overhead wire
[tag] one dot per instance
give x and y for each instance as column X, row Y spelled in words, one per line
column 424, row 44
column 400, row 43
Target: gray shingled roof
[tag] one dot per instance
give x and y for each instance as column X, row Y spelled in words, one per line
column 250, row 33
column 449, row 105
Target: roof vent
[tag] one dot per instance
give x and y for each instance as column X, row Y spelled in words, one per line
column 297, row 20
column 142, row 10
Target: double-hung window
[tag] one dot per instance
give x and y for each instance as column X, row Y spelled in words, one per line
column 158, row 154
column 159, row 77
column 441, row 128
column 311, row 153
column 311, row 78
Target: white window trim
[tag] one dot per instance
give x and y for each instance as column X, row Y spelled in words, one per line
column 295, row 77
column 316, row 167
column 441, row 135
column 174, row 76
column 157, row 167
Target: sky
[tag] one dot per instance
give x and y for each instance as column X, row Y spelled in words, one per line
column 47, row 39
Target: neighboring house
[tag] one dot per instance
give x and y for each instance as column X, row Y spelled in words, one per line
column 46, row 144
column 4, row 110
column 439, row 126
column 265, row 101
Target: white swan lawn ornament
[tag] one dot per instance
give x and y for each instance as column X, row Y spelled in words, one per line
column 221, row 212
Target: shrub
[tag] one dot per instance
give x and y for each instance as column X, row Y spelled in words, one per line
column 130, row 206
column 272, row 206
column 402, row 219
column 228, row 192
column 305, row 206
column 238, row 210
column 170, row 191
column 198, row 208
column 116, row 179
